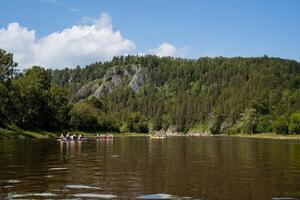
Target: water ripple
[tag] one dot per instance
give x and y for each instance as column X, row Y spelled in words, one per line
column 93, row 195
column 82, row 187
column 156, row 196
column 16, row 195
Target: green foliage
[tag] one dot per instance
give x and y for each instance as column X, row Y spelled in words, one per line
column 198, row 127
column 135, row 122
column 156, row 123
column 84, row 117
column 59, row 107
column 248, row 92
column 88, row 116
column 32, row 98
column 294, row 126
column 4, row 103
column 264, row 124
column 7, row 66
column 7, row 71
column 243, row 95
column 247, row 123
column 180, row 92
column 226, row 126
column 280, row 126
column 28, row 100
column 216, row 124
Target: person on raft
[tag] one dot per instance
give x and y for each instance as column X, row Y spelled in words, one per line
column 79, row 137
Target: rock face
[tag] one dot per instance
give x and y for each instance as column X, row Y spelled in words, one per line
column 86, row 90
column 138, row 79
column 134, row 76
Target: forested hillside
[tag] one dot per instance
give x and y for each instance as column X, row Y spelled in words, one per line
column 142, row 93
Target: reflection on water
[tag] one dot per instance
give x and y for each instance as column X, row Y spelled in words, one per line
column 130, row 168
column 82, row 187
column 16, row 196
column 93, row 195
column 157, row 196
column 70, row 149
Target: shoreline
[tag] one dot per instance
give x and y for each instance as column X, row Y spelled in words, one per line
column 272, row 135
column 18, row 133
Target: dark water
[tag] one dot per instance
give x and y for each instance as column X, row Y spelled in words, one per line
column 128, row 168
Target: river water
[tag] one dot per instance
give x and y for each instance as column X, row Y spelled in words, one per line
column 137, row 167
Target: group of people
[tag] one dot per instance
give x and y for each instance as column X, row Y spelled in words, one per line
column 68, row 136
column 79, row 137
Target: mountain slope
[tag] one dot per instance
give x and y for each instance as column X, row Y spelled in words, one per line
column 219, row 94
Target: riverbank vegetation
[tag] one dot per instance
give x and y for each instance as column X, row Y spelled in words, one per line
column 272, row 135
column 13, row 132
column 216, row 95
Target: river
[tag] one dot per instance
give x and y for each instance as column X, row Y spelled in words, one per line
column 137, row 167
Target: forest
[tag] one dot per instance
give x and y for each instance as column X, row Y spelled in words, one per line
column 216, row 95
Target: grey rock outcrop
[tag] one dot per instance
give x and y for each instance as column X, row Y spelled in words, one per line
column 134, row 76
column 138, row 79
column 86, row 90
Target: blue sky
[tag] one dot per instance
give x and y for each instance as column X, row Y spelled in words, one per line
column 190, row 28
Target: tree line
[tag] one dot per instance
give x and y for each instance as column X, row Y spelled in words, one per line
column 219, row 95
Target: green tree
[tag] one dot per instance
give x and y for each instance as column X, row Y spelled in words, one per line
column 294, row 126
column 280, row 126
column 4, row 104
column 136, row 122
column 247, row 123
column 59, row 106
column 7, row 72
column 7, row 66
column 83, row 116
column 32, row 98
column 264, row 124
column 246, row 93
column 216, row 124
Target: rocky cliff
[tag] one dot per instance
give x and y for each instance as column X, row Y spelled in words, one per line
column 134, row 76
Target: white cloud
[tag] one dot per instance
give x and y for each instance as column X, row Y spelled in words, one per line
column 167, row 49
column 78, row 45
column 20, row 41
column 90, row 41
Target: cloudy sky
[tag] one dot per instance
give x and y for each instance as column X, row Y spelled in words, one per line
column 65, row 33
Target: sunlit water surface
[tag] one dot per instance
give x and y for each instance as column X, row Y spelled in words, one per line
column 131, row 168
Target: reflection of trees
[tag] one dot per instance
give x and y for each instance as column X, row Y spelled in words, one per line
column 26, row 160
column 210, row 167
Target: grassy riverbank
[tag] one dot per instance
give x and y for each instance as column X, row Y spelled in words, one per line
column 268, row 136
column 18, row 133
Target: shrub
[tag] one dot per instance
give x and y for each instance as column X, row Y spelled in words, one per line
column 294, row 126
column 84, row 117
column 264, row 124
column 280, row 126
column 216, row 124
column 247, row 123
column 135, row 122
